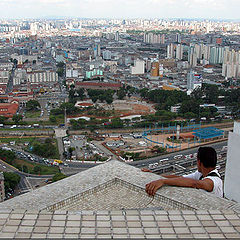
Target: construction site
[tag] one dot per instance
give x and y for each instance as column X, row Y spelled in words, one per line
column 153, row 141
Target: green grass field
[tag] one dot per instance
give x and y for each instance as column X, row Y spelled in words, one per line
column 32, row 114
column 45, row 170
column 18, row 139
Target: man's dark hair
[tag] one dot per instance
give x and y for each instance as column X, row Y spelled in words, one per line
column 207, row 156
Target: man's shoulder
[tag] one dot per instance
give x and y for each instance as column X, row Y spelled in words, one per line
column 195, row 175
column 214, row 173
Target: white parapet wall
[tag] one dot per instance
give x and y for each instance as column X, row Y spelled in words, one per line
column 232, row 172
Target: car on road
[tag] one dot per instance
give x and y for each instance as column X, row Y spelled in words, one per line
column 224, row 148
column 178, row 157
column 162, row 161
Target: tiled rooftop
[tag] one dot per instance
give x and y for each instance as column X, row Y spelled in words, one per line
column 142, row 224
column 88, row 182
column 109, row 201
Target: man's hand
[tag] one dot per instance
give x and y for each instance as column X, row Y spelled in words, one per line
column 145, row 170
column 152, row 187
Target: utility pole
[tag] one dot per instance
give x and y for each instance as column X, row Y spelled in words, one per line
column 65, row 117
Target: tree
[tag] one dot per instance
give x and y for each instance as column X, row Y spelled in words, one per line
column 15, row 61
column 116, row 123
column 81, row 94
column 7, row 156
column 78, row 124
column 121, row 93
column 47, row 150
column 17, row 118
column 70, row 108
column 25, row 168
column 32, row 105
column 37, row 169
column 11, row 180
column 143, row 92
column 48, row 141
column 52, row 119
column 3, row 119
column 190, row 106
column 102, row 95
column 57, row 111
column 159, row 149
column 70, row 150
column 190, row 115
column 60, row 72
column 211, row 92
column 58, row 176
column 60, row 64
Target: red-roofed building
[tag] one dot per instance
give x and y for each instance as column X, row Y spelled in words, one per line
column 20, row 96
column 208, row 68
column 8, row 109
column 84, row 105
column 98, row 85
column 3, row 88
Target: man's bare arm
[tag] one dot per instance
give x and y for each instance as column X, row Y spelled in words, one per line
column 206, row 184
column 146, row 170
column 170, row 176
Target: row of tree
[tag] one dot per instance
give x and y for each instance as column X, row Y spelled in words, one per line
column 46, row 149
column 190, row 105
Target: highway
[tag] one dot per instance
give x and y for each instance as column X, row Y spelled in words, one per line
column 23, row 184
column 146, row 162
column 170, row 156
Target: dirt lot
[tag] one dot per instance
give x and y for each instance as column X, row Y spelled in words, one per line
column 130, row 107
column 142, row 145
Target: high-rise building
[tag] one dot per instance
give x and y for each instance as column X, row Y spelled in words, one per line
column 107, row 55
column 179, row 52
column 162, row 39
column 155, row 69
column 192, row 57
column 216, row 55
column 4, row 76
column 71, row 73
column 190, row 80
column 170, row 51
column 138, row 68
column 117, row 36
column 161, row 70
column 148, row 65
column 178, row 38
column 97, row 51
column 153, row 38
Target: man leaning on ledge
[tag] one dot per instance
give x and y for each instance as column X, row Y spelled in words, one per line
column 206, row 177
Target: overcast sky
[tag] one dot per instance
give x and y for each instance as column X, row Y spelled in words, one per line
column 212, row 9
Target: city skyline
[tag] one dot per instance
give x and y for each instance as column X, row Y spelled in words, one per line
column 204, row 9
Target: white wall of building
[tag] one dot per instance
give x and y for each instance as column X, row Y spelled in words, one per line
column 232, row 172
column 138, row 68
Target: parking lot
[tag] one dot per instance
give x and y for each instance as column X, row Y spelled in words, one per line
column 82, row 148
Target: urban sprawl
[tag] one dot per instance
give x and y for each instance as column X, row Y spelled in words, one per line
column 79, row 92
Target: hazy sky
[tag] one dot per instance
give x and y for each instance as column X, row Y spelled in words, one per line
column 224, row 9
